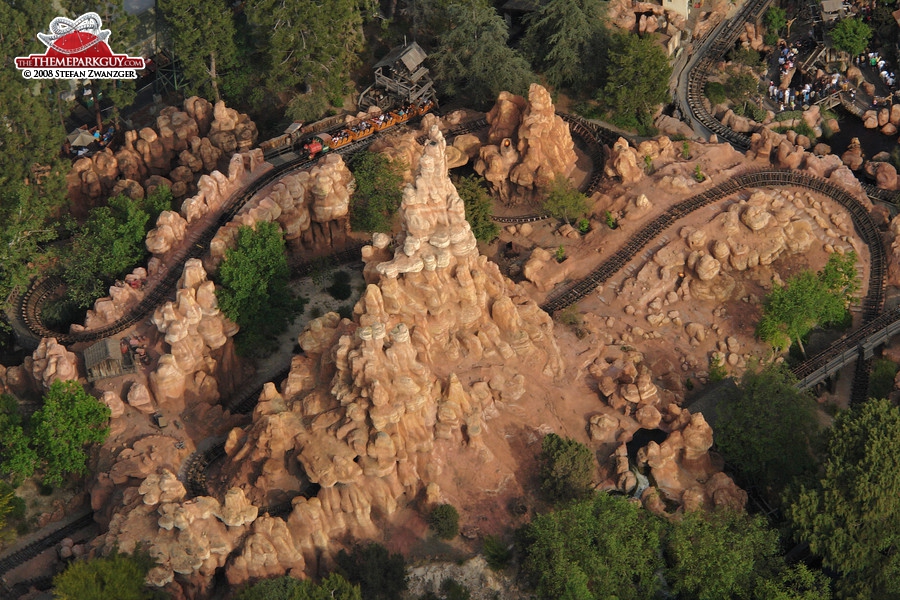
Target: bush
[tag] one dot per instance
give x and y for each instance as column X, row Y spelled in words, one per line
column 715, row 91
column 496, row 553
column 444, row 520
column 564, row 201
column 377, row 196
column 118, row 576
column 567, row 468
column 340, row 285
column 881, row 382
column 380, row 575
column 333, row 587
column 478, row 207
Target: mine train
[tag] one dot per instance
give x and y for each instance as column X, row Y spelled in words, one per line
column 320, row 143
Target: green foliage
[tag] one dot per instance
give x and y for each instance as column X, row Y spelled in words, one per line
column 767, row 429
column 496, row 553
column 602, row 547
column 472, row 60
column 797, row 582
column 748, row 57
column 563, row 201
column 610, row 220
column 740, row 85
column 560, row 253
column 698, row 174
column 776, row 19
column 718, row 555
column 638, row 76
column 851, row 35
column 118, row 576
column 789, row 115
column 340, row 285
column 563, row 39
column 377, row 196
column 715, row 91
column 800, row 128
column 479, row 206
column 454, row 590
column 205, row 34
column 253, row 288
column 717, row 371
column 770, row 39
column 807, row 300
column 648, row 163
column 881, row 381
column 380, row 575
column 444, row 521
column 308, row 47
column 18, row 457
column 685, row 150
column 851, row 516
column 109, row 244
column 69, row 420
column 333, row 587
column 567, row 467
column 584, row 225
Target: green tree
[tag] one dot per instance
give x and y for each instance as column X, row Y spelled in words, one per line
column 333, row 587
column 776, row 19
column 32, row 174
column 567, row 468
column 309, row 47
column 767, row 429
column 479, row 207
column 808, row 300
column 603, row 547
column 637, row 80
column 740, row 85
column 118, row 576
column 563, row 201
column 380, row 575
column 563, row 39
column 377, row 196
column 17, row 458
column 470, row 52
column 444, row 520
column 253, row 288
column 69, row 420
column 203, row 31
column 851, row 516
column 719, row 555
column 120, row 92
column 109, row 243
column 797, row 582
column 851, row 35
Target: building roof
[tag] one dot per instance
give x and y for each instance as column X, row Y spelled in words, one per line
column 411, row 55
column 104, row 350
column 832, row 6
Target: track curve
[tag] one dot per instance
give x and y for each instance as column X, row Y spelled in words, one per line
column 865, row 227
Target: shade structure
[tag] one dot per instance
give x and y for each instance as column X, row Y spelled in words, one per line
column 80, row 137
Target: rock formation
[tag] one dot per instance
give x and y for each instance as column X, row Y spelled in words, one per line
column 624, row 163
column 198, row 335
column 201, row 137
column 51, row 362
column 528, row 145
column 312, row 207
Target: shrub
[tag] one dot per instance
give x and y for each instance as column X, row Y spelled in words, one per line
column 564, row 201
column 444, row 520
column 567, row 468
column 380, row 575
column 377, row 196
column 584, row 225
column 715, row 91
column 881, row 382
column 117, row 576
column 560, row 253
column 478, row 207
column 340, row 285
column 496, row 553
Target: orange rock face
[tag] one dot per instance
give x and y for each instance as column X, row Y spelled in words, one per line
column 528, row 145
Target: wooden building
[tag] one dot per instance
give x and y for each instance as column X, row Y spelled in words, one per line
column 400, row 77
column 105, row 359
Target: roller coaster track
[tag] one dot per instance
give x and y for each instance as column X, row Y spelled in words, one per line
column 713, row 49
column 811, row 371
column 22, row 555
